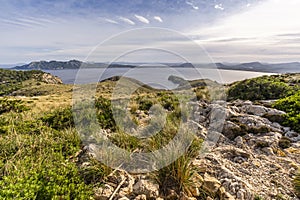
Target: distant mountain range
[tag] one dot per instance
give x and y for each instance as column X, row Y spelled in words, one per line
column 72, row 64
column 292, row 67
column 5, row 66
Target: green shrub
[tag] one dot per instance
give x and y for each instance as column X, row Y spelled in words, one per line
column 105, row 114
column 261, row 88
column 125, row 141
column 37, row 166
column 291, row 105
column 179, row 175
column 59, row 119
column 168, row 101
column 145, row 103
column 11, row 105
column 95, row 172
column 48, row 179
column 11, row 80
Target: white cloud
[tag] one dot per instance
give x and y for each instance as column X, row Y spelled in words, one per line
column 248, row 5
column 191, row 4
column 219, row 7
column 263, row 24
column 142, row 19
column 126, row 20
column 158, row 18
column 270, row 18
column 110, row 21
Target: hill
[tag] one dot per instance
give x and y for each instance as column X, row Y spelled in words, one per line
column 72, row 64
column 293, row 67
column 11, row 81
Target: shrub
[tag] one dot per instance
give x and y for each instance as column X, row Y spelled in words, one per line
column 180, row 174
column 168, row 101
column 11, row 105
column 261, row 88
column 48, row 179
column 291, row 105
column 104, row 114
column 11, row 80
column 177, row 176
column 145, row 103
column 59, row 119
column 38, row 166
column 125, row 141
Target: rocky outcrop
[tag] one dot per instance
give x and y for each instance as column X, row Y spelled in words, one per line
column 252, row 157
column 257, row 158
column 47, row 78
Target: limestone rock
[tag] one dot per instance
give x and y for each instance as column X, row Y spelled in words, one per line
column 211, row 184
column 146, row 187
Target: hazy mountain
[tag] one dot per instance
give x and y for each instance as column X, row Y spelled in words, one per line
column 10, row 65
column 72, row 64
column 292, row 67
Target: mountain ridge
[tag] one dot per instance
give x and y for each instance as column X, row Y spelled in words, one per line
column 291, row 67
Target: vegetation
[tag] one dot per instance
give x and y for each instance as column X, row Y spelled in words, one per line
column 11, row 80
column 34, row 161
column 263, row 88
column 7, row 105
column 38, row 140
column 180, row 175
column 291, row 105
column 39, row 145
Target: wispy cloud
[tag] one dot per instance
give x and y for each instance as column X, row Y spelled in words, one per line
column 192, row 4
column 126, row 20
column 158, row 18
column 110, row 21
column 15, row 23
column 142, row 19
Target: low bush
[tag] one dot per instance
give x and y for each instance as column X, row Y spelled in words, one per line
column 291, row 105
column 261, row 88
column 7, row 105
column 105, row 114
column 179, row 175
column 59, row 119
column 49, row 178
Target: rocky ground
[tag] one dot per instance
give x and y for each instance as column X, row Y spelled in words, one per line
column 254, row 157
column 257, row 157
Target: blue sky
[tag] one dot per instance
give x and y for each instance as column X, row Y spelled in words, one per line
column 229, row 30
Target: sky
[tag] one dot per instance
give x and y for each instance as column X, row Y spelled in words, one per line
column 226, row 30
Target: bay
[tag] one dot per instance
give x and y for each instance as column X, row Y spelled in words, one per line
column 155, row 77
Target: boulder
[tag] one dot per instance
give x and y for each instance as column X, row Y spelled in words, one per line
column 254, row 109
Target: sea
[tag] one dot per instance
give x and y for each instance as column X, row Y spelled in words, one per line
column 155, row 77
